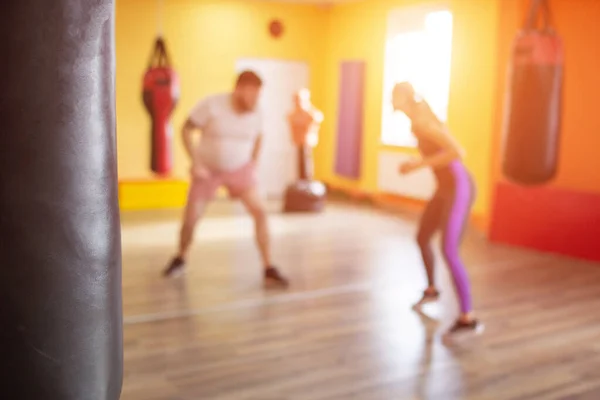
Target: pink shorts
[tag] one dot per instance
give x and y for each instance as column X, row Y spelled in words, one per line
column 237, row 182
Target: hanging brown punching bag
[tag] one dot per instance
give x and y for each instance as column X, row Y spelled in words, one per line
column 60, row 246
column 532, row 123
column 160, row 94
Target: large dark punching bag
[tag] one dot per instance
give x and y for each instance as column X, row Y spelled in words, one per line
column 160, row 94
column 533, row 110
column 60, row 255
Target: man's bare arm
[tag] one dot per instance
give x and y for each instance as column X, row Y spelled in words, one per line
column 257, row 148
column 187, row 132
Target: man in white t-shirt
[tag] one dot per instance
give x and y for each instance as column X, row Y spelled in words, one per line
column 226, row 155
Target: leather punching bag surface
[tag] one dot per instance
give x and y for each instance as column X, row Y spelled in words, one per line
column 161, row 93
column 60, row 255
column 533, row 110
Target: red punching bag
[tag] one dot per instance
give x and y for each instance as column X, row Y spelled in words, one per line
column 161, row 93
column 533, row 110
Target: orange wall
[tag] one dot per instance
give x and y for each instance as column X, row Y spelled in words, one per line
column 509, row 19
column 577, row 23
column 358, row 30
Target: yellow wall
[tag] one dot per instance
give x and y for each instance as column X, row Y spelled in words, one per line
column 358, row 30
column 205, row 37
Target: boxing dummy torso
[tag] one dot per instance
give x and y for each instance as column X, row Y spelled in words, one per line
column 304, row 126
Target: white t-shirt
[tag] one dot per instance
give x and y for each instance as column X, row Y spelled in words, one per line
column 228, row 137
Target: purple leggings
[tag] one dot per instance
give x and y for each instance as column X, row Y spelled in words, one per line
column 449, row 211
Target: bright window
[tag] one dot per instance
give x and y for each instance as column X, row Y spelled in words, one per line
column 422, row 56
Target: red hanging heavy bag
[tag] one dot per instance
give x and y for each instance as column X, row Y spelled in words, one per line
column 161, row 93
column 533, row 109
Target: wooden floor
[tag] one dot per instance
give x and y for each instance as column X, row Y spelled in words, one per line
column 345, row 330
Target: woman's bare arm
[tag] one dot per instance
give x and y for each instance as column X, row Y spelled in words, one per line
column 451, row 149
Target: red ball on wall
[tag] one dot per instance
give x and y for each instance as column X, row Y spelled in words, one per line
column 276, row 28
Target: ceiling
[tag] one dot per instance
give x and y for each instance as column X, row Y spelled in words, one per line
column 325, row 2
